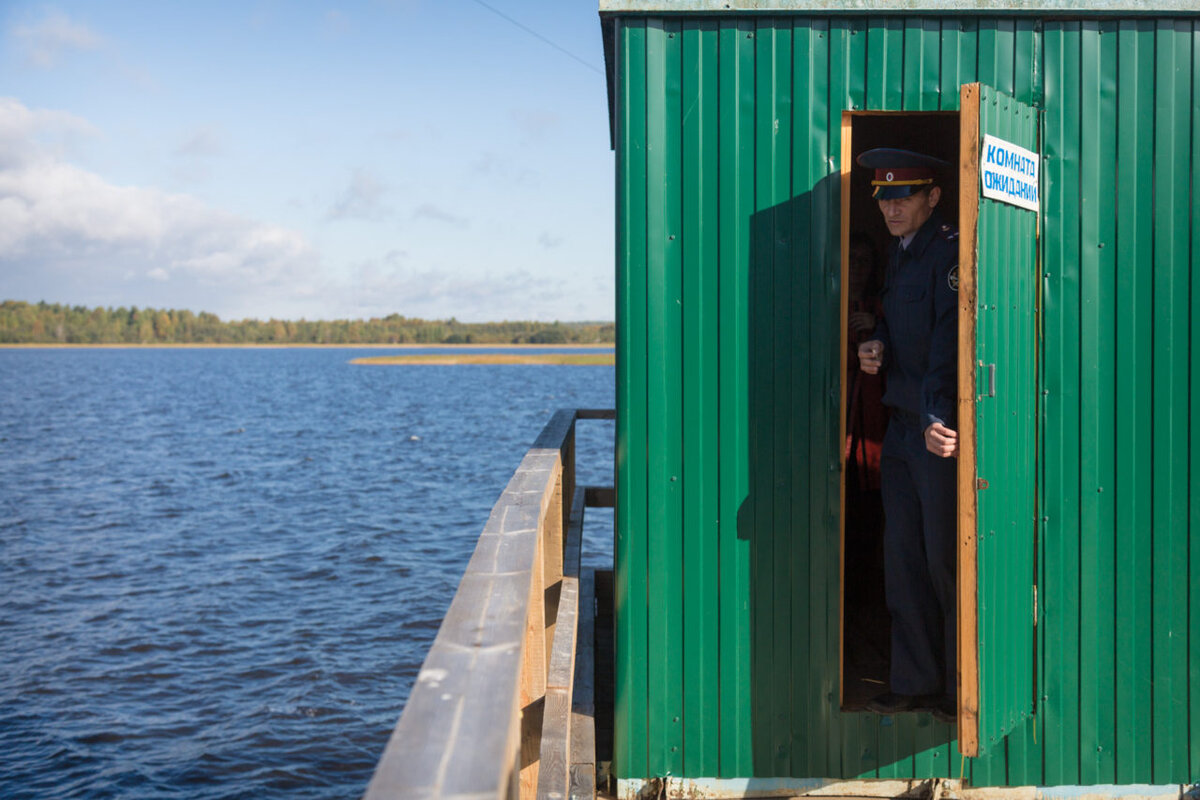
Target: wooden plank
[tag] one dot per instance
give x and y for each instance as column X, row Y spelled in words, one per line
column 430, row 746
column 556, row 430
column 473, row 722
column 583, row 782
column 968, row 630
column 552, row 556
column 583, row 721
column 573, row 546
column 601, row 497
column 567, row 456
column 554, row 773
column 533, row 681
column 562, row 655
column 491, row 718
column 487, row 611
column 844, row 355
column 555, row 752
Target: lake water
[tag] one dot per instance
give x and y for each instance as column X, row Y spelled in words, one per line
column 221, row 568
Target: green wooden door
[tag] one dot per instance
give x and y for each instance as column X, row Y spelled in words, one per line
column 998, row 296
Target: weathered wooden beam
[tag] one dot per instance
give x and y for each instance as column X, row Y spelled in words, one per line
column 601, row 497
column 583, row 698
column 554, row 769
column 553, row 529
column 596, row 413
column 533, row 681
column 472, row 725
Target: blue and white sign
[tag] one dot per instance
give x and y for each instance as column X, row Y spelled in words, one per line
column 1009, row 173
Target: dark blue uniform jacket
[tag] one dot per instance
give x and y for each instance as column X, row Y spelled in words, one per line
column 919, row 327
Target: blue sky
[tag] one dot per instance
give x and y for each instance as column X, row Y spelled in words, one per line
column 319, row 160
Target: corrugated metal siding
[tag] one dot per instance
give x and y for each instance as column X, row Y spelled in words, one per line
column 728, row 145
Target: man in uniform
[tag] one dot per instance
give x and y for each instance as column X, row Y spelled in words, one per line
column 916, row 344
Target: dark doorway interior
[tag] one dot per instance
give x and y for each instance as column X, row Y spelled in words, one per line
column 866, row 626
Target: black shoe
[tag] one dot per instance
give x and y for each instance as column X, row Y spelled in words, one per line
column 892, row 703
column 944, row 709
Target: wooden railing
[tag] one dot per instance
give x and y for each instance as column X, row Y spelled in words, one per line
column 494, row 711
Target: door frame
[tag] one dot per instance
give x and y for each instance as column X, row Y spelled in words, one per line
column 847, row 165
column 967, row 583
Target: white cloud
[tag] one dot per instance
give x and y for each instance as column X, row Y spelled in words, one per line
column 534, row 123
column 430, row 211
column 27, row 134
column 202, row 142
column 390, row 284
column 63, row 227
column 44, row 42
column 361, row 200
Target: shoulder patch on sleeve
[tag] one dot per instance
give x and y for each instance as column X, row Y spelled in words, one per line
column 948, row 232
column 952, row 278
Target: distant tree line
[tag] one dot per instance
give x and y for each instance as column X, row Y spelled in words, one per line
column 52, row 323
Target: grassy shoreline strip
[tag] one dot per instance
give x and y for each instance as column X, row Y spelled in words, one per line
column 444, row 359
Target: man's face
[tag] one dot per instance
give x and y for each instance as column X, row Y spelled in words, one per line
column 906, row 215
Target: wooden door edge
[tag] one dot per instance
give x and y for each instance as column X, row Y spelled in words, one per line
column 843, row 349
column 968, row 565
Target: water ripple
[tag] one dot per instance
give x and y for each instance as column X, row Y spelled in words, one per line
column 222, row 568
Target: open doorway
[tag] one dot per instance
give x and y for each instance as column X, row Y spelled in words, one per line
column 865, row 244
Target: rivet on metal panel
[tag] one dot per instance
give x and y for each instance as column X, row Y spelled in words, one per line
column 981, row 483
column 671, row 238
column 673, row 479
column 1099, row 488
column 1100, row 246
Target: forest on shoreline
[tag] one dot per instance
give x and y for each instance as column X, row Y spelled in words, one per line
column 53, row 323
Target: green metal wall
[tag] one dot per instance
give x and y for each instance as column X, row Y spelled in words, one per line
column 728, row 148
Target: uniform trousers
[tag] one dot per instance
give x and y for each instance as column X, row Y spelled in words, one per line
column 919, row 502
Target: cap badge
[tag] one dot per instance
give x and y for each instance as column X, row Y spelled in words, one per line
column 890, row 177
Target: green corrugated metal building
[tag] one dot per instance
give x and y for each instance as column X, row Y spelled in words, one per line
column 734, row 125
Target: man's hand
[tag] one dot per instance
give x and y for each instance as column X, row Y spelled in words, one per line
column 862, row 321
column 941, row 441
column 870, row 356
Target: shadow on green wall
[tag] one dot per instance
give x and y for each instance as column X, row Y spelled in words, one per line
column 791, row 513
